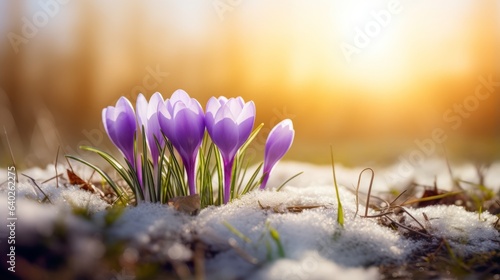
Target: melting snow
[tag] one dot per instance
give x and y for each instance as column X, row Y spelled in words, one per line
column 315, row 246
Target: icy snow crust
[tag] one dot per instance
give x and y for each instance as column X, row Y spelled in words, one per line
column 315, row 245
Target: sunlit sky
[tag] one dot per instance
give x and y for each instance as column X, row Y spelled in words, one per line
column 288, row 56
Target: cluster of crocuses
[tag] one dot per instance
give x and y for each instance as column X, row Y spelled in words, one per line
column 181, row 121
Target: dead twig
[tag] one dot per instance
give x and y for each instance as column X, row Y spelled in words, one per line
column 36, row 185
column 55, row 166
column 244, row 255
column 369, row 191
column 411, row 216
column 52, row 178
column 434, row 197
column 11, row 153
column 409, row 228
column 291, row 209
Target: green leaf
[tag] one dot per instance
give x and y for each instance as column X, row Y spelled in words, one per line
column 241, row 177
column 204, row 175
column 252, row 184
column 147, row 174
column 340, row 212
column 178, row 182
column 237, row 232
column 159, row 172
column 135, row 185
column 290, row 179
column 112, row 161
column 276, row 238
column 250, row 139
column 220, row 178
column 240, row 169
column 121, row 195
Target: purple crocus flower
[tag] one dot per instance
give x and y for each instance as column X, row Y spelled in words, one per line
column 147, row 115
column 181, row 119
column 120, row 125
column 278, row 143
column 229, row 123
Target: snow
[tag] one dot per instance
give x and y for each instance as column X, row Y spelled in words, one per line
column 466, row 232
column 153, row 227
column 62, row 195
column 312, row 266
column 314, row 244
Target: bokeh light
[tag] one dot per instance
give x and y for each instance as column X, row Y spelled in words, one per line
column 289, row 57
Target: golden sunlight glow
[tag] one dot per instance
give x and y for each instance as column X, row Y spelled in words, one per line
column 345, row 71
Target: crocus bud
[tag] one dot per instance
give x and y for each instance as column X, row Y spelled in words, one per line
column 120, row 125
column 278, row 143
column 229, row 123
column 182, row 120
column 147, row 115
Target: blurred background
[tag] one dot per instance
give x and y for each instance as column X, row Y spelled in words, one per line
column 367, row 77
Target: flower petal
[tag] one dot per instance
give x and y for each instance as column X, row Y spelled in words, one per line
column 229, row 123
column 247, row 112
column 235, row 107
column 153, row 131
column 165, row 121
column 212, row 107
column 120, row 124
column 244, row 130
column 278, row 143
column 225, row 136
column 153, row 104
column 180, row 95
column 189, row 129
column 141, row 109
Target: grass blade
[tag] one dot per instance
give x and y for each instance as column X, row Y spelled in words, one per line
column 106, row 177
column 250, row 184
column 276, row 238
column 340, row 213
column 290, row 179
column 236, row 232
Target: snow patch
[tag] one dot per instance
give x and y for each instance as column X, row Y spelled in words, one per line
column 304, row 214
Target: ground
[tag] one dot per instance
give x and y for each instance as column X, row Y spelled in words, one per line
column 294, row 233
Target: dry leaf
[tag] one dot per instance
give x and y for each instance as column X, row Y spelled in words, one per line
column 76, row 180
column 290, row 209
column 188, row 204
